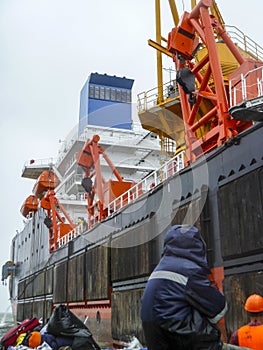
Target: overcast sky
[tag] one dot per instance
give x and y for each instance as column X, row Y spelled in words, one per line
column 48, row 49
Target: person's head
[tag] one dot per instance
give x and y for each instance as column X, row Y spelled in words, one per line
column 254, row 307
column 185, row 241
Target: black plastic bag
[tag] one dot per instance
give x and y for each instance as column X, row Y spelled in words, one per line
column 63, row 322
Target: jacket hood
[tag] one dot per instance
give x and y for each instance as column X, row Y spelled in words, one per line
column 185, row 241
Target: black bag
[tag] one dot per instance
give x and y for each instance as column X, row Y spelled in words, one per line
column 63, row 322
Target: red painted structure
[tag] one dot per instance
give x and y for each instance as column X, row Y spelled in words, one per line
column 205, row 127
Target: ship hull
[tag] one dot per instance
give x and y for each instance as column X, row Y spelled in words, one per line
column 101, row 274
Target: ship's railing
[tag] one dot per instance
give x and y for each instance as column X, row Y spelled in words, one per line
column 71, row 235
column 245, row 42
column 79, row 196
column 110, row 136
column 170, row 168
column 148, row 99
column 246, row 86
column 40, row 162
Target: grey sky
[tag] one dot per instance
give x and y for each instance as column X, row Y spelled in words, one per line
column 48, row 49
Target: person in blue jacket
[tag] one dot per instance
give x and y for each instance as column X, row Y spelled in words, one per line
column 180, row 306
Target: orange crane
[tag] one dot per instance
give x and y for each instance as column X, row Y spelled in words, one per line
column 54, row 221
column 203, row 95
column 44, row 190
column 99, row 193
column 199, row 113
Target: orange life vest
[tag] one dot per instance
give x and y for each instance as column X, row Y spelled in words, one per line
column 251, row 337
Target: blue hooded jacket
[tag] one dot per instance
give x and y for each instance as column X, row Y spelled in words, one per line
column 179, row 282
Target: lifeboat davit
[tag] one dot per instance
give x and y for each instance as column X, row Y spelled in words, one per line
column 29, row 205
column 47, row 180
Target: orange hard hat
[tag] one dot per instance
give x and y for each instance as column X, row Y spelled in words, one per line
column 254, row 303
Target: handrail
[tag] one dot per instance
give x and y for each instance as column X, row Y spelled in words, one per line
column 167, row 170
column 246, row 86
column 40, row 162
column 148, row 99
column 245, row 42
column 71, row 235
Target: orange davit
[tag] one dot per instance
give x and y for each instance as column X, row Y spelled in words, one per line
column 30, row 205
column 46, row 181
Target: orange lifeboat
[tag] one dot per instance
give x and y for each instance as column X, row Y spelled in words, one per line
column 46, row 181
column 30, row 205
column 63, row 229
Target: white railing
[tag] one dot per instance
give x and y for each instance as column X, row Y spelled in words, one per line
column 245, row 42
column 80, row 196
column 170, row 168
column 246, row 86
column 39, row 162
column 71, row 235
